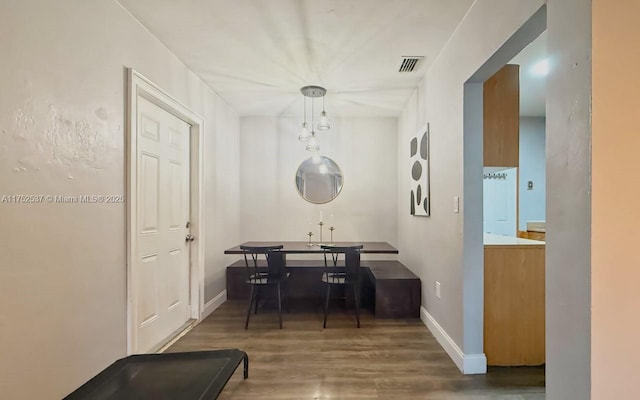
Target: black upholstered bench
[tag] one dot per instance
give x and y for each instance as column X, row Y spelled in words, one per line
column 169, row 376
column 390, row 288
column 397, row 289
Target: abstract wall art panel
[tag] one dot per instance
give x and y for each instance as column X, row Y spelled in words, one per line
column 419, row 156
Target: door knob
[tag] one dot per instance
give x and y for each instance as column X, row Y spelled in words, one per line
column 190, row 238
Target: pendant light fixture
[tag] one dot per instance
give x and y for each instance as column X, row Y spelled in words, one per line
column 311, row 139
column 304, row 132
column 323, row 125
column 313, row 144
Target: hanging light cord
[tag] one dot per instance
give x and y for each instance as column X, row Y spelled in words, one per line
column 304, row 107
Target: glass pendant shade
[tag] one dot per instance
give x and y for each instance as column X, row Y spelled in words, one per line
column 323, row 124
column 304, row 133
column 312, row 143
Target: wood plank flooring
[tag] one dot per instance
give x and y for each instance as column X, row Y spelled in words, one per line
column 384, row 359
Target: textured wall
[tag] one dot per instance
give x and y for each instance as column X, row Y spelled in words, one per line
column 62, row 116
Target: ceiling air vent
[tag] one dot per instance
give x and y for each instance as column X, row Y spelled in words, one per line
column 409, row 64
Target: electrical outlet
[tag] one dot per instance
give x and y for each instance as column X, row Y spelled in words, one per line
column 437, row 289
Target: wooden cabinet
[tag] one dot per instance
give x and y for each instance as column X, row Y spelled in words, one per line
column 514, row 305
column 501, row 109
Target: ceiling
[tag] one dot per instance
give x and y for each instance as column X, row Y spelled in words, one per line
column 532, row 85
column 257, row 54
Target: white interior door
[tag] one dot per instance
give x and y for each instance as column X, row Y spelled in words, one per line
column 161, row 275
column 500, row 200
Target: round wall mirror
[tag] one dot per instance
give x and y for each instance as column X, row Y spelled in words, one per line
column 319, row 180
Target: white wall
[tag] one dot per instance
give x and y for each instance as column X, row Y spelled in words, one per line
column 568, row 282
column 532, row 168
column 433, row 247
column 222, row 186
column 62, row 115
column 272, row 209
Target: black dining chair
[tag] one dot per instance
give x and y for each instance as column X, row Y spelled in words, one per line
column 347, row 277
column 274, row 274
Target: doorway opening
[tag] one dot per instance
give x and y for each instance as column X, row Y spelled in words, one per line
column 498, row 267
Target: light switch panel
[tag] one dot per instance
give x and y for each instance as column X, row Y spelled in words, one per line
column 456, row 204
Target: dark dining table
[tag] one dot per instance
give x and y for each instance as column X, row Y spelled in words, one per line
column 304, row 248
column 388, row 287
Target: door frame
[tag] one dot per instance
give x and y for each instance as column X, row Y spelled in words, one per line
column 138, row 85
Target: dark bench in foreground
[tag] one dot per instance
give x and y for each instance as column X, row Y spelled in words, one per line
column 199, row 375
column 390, row 288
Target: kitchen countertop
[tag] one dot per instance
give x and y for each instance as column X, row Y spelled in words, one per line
column 500, row 241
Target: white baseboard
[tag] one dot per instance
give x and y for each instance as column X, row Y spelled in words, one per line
column 467, row 363
column 475, row 364
column 213, row 304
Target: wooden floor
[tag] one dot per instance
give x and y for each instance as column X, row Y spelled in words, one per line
column 384, row 359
